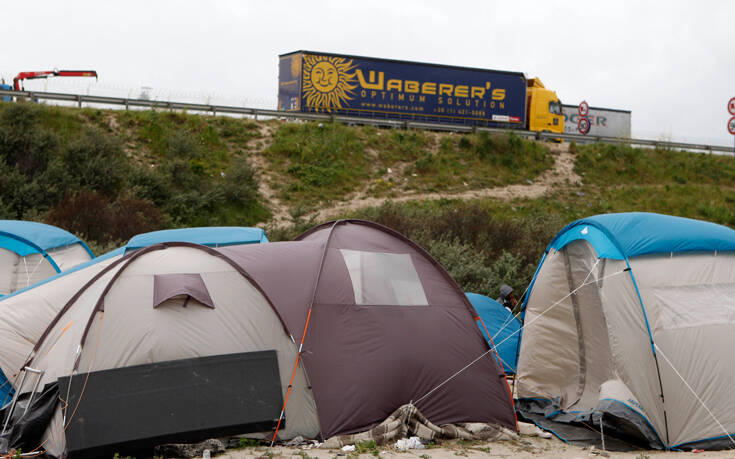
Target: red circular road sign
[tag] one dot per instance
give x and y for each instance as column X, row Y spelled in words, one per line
column 731, row 106
column 583, row 109
column 731, row 126
column 583, row 126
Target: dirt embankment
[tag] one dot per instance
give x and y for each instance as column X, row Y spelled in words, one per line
column 561, row 174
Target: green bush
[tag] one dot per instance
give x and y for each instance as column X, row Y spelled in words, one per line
column 97, row 162
column 23, row 142
column 323, row 160
column 604, row 164
column 71, row 168
column 465, row 264
column 97, row 218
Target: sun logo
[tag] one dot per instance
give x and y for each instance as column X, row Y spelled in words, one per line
column 327, row 81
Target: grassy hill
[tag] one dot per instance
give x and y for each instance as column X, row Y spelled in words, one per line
column 484, row 205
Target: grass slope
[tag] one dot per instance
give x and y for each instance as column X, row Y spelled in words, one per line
column 107, row 175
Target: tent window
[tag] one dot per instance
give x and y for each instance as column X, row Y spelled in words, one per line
column 384, row 278
column 180, row 286
column 695, row 305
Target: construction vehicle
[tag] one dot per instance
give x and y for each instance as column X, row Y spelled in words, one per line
column 48, row 73
column 412, row 91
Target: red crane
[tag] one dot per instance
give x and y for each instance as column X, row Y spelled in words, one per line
column 47, row 73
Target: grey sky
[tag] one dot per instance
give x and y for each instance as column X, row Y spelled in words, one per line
column 671, row 62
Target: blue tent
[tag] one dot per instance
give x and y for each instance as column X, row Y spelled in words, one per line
column 26, row 238
column 502, row 326
column 218, row 236
column 215, row 236
column 626, row 235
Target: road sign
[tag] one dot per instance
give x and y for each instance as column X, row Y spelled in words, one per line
column 584, row 125
column 731, row 125
column 731, row 106
column 584, row 109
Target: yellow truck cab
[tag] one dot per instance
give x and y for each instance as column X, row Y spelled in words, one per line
column 544, row 108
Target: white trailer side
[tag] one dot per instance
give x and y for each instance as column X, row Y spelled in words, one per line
column 606, row 122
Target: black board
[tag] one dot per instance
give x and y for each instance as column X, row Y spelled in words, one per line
column 135, row 408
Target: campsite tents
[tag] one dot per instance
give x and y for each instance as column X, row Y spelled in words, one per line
column 632, row 316
column 503, row 326
column 380, row 323
column 31, row 252
column 27, row 313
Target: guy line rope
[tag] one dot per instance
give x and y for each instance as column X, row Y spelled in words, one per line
column 494, row 347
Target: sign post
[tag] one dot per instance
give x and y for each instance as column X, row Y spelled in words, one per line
column 731, row 123
column 584, row 125
column 584, row 108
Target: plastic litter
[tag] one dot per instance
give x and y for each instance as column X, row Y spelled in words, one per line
column 296, row 441
column 348, row 448
column 409, row 443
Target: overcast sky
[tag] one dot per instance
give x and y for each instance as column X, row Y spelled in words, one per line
column 671, row 62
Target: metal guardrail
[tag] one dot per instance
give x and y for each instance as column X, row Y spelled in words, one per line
column 81, row 99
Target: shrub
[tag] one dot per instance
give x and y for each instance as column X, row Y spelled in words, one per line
column 19, row 193
column 23, row 142
column 97, row 218
column 97, row 162
column 462, row 261
column 84, row 213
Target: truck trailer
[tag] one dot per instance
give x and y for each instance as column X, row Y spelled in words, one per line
column 604, row 122
column 389, row 89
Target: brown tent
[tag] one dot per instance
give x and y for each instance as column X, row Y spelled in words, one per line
column 383, row 325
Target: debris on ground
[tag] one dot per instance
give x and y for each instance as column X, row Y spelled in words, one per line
column 187, row 450
column 405, row 444
column 531, row 430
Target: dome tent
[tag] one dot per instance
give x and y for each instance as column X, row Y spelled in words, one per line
column 31, row 252
column 27, row 312
column 503, row 327
column 631, row 316
column 382, row 325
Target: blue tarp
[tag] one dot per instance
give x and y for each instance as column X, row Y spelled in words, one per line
column 502, row 326
column 626, row 235
column 217, row 236
column 25, row 238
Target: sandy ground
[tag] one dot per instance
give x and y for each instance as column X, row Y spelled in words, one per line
column 525, row 447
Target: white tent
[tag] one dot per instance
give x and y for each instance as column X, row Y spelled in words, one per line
column 632, row 317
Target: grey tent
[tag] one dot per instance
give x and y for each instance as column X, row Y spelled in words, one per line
column 382, row 325
column 27, row 312
column 631, row 318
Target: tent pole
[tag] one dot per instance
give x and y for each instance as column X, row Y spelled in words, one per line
column 602, row 431
column 306, row 326
column 629, row 270
column 293, row 375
